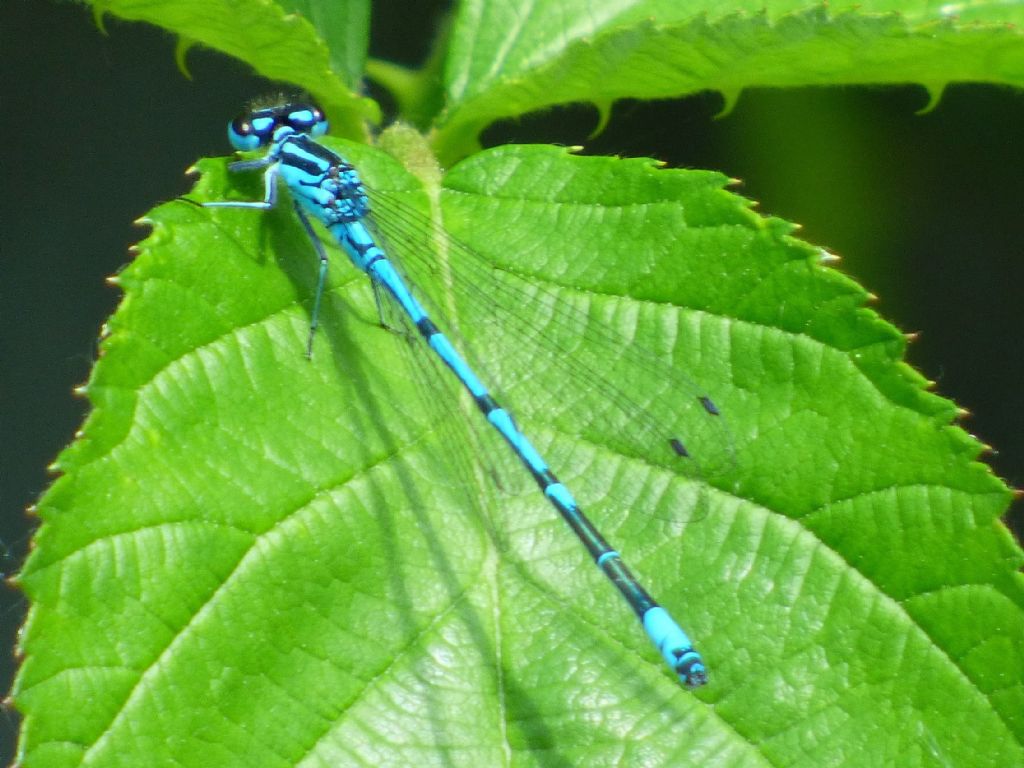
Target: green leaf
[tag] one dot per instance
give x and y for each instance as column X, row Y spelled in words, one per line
column 318, row 46
column 252, row 556
column 507, row 59
column 255, row 558
column 344, row 27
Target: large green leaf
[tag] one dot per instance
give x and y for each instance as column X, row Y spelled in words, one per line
column 252, row 558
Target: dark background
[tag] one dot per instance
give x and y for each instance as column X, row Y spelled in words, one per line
column 96, row 130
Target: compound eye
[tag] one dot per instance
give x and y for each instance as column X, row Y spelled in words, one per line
column 306, row 118
column 250, row 131
column 320, row 124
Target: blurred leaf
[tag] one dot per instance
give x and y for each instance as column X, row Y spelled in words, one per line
column 344, row 27
column 507, row 59
column 322, row 50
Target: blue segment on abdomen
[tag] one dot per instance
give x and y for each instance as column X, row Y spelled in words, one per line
column 675, row 646
column 384, row 271
column 444, row 349
column 560, row 494
column 502, row 421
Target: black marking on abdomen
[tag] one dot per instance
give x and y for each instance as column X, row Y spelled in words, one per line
column 426, row 327
column 546, row 478
column 486, row 404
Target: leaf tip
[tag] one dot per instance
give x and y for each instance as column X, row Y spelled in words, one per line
column 729, row 98
column 99, row 10
column 934, row 97
column 181, row 50
column 604, row 116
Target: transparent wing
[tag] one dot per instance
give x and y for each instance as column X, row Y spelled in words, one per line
column 466, row 439
column 567, row 359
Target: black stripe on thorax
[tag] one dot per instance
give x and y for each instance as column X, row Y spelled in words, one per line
column 305, row 154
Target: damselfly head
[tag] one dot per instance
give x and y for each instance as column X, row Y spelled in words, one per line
column 256, row 128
